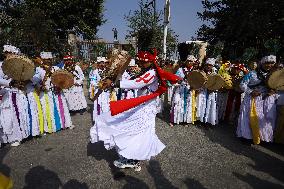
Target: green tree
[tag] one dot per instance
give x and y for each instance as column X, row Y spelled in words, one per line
column 44, row 24
column 242, row 24
column 147, row 26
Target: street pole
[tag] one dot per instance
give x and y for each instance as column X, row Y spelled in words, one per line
column 166, row 23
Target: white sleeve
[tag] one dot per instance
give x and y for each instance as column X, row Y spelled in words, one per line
column 4, row 82
column 80, row 76
column 142, row 81
column 244, row 83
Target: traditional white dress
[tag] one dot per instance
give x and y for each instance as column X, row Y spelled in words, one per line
column 54, row 106
column 35, row 109
column 75, row 95
column 132, row 133
column 180, row 103
column 265, row 109
column 94, row 77
column 14, row 120
column 101, row 105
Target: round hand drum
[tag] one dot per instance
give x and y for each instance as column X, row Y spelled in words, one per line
column 62, row 79
column 196, row 79
column 276, row 80
column 19, row 68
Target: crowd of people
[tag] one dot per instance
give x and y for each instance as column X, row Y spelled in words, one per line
column 248, row 103
column 38, row 107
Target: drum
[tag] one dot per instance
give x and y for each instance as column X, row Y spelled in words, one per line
column 19, row 68
column 215, row 82
column 196, row 79
column 172, row 68
column 119, row 61
column 276, row 80
column 62, row 79
column 228, row 81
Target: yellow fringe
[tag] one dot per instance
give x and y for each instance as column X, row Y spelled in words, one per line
column 40, row 114
column 113, row 96
column 193, row 106
column 254, row 123
column 49, row 122
column 92, row 92
column 5, row 182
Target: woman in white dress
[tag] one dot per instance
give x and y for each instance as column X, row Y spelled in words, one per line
column 14, row 119
column 257, row 117
column 75, row 95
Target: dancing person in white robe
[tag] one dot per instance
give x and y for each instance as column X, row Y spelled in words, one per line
column 132, row 133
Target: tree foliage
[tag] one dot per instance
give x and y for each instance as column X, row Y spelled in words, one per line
column 147, row 26
column 44, row 24
column 242, row 25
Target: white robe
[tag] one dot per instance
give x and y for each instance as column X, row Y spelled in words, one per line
column 13, row 128
column 132, row 133
column 75, row 95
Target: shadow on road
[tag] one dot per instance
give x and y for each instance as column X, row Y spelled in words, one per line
column 4, row 169
column 156, row 172
column 193, row 184
column 263, row 162
column 41, row 178
column 255, row 182
column 98, row 151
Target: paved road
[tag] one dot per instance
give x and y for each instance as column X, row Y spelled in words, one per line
column 195, row 157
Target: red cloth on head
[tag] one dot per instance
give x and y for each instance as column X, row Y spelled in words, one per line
column 120, row 106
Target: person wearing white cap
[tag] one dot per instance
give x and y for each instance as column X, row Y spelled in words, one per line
column 75, row 95
column 181, row 109
column 94, row 77
column 258, row 109
column 207, row 111
column 14, row 119
column 53, row 102
column 128, row 74
column 101, row 105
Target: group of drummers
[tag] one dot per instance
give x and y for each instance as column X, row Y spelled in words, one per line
column 249, row 96
column 39, row 99
column 38, row 96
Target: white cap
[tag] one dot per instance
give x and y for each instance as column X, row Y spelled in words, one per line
column 211, row 61
column 101, row 59
column 132, row 62
column 191, row 58
column 11, row 49
column 46, row 55
column 270, row 58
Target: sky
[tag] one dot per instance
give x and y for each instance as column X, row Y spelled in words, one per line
column 184, row 20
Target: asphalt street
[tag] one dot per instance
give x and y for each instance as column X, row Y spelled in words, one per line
column 195, row 157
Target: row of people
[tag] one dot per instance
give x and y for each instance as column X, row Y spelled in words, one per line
column 36, row 107
column 251, row 102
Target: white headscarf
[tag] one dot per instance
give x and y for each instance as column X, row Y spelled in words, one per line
column 46, row 55
column 270, row 58
column 11, row 49
column 211, row 61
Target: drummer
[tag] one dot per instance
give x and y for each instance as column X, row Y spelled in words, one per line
column 258, row 123
column 237, row 72
column 75, row 95
column 14, row 122
column 101, row 105
column 53, row 102
column 181, row 97
column 207, row 111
